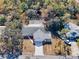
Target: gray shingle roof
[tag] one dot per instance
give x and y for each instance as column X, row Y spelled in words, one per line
column 30, row 30
column 40, row 35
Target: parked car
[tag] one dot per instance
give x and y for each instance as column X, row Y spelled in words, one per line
column 67, row 42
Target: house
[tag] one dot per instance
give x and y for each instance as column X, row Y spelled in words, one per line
column 28, row 30
column 37, row 35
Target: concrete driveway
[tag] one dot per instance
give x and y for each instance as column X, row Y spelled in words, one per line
column 38, row 48
column 39, row 51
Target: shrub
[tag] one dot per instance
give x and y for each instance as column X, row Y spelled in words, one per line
column 23, row 6
column 2, row 20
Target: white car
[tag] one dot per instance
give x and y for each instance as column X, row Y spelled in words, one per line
column 67, row 42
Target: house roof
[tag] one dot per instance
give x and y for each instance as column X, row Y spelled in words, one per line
column 31, row 28
column 39, row 35
column 73, row 26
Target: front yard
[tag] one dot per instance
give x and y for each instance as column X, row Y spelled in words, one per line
column 57, row 47
column 28, row 47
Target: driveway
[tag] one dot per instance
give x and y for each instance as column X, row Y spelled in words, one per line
column 38, row 48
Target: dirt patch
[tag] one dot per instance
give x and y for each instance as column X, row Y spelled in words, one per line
column 28, row 47
column 57, row 48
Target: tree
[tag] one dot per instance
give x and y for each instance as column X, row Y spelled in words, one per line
column 23, row 6
column 54, row 26
column 12, row 35
column 32, row 14
column 29, row 3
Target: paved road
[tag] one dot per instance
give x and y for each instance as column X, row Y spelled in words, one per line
column 74, row 49
column 45, row 57
column 51, row 57
column 22, row 57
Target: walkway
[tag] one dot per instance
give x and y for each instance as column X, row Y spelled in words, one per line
column 38, row 48
column 39, row 51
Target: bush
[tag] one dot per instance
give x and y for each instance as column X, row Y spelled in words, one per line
column 32, row 14
column 29, row 3
column 2, row 20
column 55, row 25
column 23, row 6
